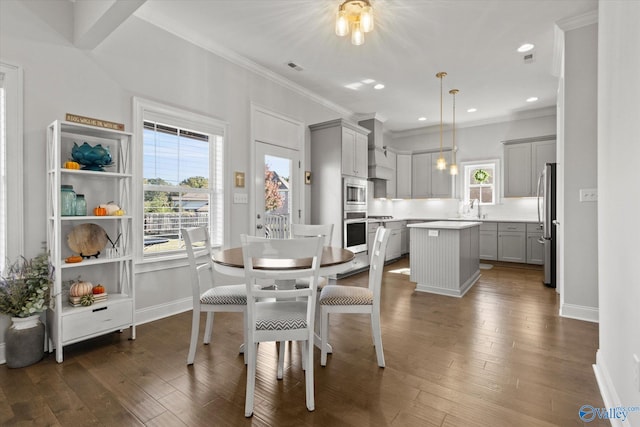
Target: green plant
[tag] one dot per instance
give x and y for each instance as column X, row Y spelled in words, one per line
column 24, row 289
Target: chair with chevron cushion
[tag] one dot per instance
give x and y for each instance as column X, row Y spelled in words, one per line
column 352, row 299
column 207, row 297
column 282, row 313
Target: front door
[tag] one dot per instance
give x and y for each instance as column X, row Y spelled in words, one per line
column 277, row 192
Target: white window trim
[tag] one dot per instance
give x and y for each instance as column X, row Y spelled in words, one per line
column 497, row 179
column 140, row 106
column 13, row 213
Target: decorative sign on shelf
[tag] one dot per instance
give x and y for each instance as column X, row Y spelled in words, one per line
column 94, row 122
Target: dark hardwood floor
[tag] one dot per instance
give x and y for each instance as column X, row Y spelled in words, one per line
column 499, row 356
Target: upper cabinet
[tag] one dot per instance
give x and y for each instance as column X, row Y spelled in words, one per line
column 354, row 153
column 523, row 162
column 403, row 176
column 426, row 180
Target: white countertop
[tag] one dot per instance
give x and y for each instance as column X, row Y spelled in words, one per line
column 449, row 225
column 533, row 221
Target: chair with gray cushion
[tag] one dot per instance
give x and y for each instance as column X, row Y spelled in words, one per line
column 207, row 297
column 353, row 299
column 282, row 313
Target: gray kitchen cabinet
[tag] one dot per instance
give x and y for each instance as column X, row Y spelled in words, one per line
column 512, row 245
column 394, row 247
column 354, row 153
column 403, row 176
column 535, row 249
column 489, row 241
column 404, row 240
column 391, row 183
column 523, row 162
column 426, row 180
column 372, row 227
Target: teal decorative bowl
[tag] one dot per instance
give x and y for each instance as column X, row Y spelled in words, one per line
column 91, row 158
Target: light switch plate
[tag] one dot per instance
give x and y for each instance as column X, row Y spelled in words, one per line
column 434, row 233
column 589, row 195
column 241, row 198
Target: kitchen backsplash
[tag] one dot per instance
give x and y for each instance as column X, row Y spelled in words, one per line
column 521, row 209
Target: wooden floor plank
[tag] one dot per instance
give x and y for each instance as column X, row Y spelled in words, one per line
column 499, row 356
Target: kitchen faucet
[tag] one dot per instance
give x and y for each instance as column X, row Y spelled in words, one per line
column 471, row 203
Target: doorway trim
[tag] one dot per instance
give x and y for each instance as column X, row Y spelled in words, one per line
column 270, row 127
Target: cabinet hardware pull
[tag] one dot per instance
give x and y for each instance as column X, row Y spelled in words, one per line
column 99, row 309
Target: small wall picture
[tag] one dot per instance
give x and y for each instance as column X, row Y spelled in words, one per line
column 307, row 177
column 239, row 179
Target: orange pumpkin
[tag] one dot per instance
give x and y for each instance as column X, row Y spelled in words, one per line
column 71, row 165
column 99, row 211
column 98, row 289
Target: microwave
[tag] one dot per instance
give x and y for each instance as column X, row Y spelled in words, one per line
column 354, row 194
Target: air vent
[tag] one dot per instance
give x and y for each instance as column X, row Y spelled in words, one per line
column 528, row 58
column 294, row 66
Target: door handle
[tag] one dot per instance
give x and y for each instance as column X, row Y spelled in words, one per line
column 259, row 226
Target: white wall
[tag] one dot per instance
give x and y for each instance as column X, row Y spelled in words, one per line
column 619, row 201
column 578, row 221
column 137, row 59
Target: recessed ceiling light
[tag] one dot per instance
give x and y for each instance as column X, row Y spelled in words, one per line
column 532, row 99
column 472, row 110
column 368, row 81
column 353, row 86
column 422, row 119
column 525, row 47
column 379, row 86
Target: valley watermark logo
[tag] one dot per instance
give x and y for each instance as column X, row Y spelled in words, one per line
column 588, row 413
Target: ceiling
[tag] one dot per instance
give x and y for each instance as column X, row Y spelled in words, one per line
column 474, row 41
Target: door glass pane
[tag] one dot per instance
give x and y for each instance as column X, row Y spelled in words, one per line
column 277, row 195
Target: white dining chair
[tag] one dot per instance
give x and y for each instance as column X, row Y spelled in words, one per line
column 353, row 299
column 207, row 297
column 282, row 313
column 312, row 230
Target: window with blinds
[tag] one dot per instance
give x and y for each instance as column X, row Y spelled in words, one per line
column 182, row 181
column 11, row 212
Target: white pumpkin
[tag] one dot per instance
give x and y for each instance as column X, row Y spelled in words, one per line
column 110, row 207
column 79, row 289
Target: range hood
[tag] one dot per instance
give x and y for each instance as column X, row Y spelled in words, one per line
column 380, row 170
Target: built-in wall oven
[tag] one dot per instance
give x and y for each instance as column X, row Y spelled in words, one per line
column 355, row 232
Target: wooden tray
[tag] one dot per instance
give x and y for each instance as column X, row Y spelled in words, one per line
column 87, row 240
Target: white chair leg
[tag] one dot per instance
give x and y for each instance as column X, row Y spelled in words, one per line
column 282, row 345
column 377, row 337
column 308, row 380
column 252, row 349
column 324, row 335
column 195, row 330
column 208, row 328
column 245, row 322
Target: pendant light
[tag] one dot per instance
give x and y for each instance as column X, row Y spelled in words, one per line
column 453, row 169
column 441, row 163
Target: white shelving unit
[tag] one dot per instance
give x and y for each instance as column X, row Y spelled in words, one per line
column 67, row 324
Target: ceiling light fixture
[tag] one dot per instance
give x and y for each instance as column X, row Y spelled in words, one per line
column 422, row 119
column 525, row 47
column 355, row 16
column 532, row 99
column 441, row 163
column 472, row 110
column 453, row 169
column 379, row 86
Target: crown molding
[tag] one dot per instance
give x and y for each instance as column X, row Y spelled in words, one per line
column 518, row 115
column 578, row 21
column 366, row 116
column 247, row 64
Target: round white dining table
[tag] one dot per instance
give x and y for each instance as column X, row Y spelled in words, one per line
column 334, row 260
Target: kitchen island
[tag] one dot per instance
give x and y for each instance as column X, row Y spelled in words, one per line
column 445, row 256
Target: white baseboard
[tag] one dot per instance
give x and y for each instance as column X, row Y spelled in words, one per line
column 579, row 312
column 156, row 312
column 607, row 390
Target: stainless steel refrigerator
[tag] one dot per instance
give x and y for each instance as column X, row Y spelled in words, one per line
column 547, row 216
